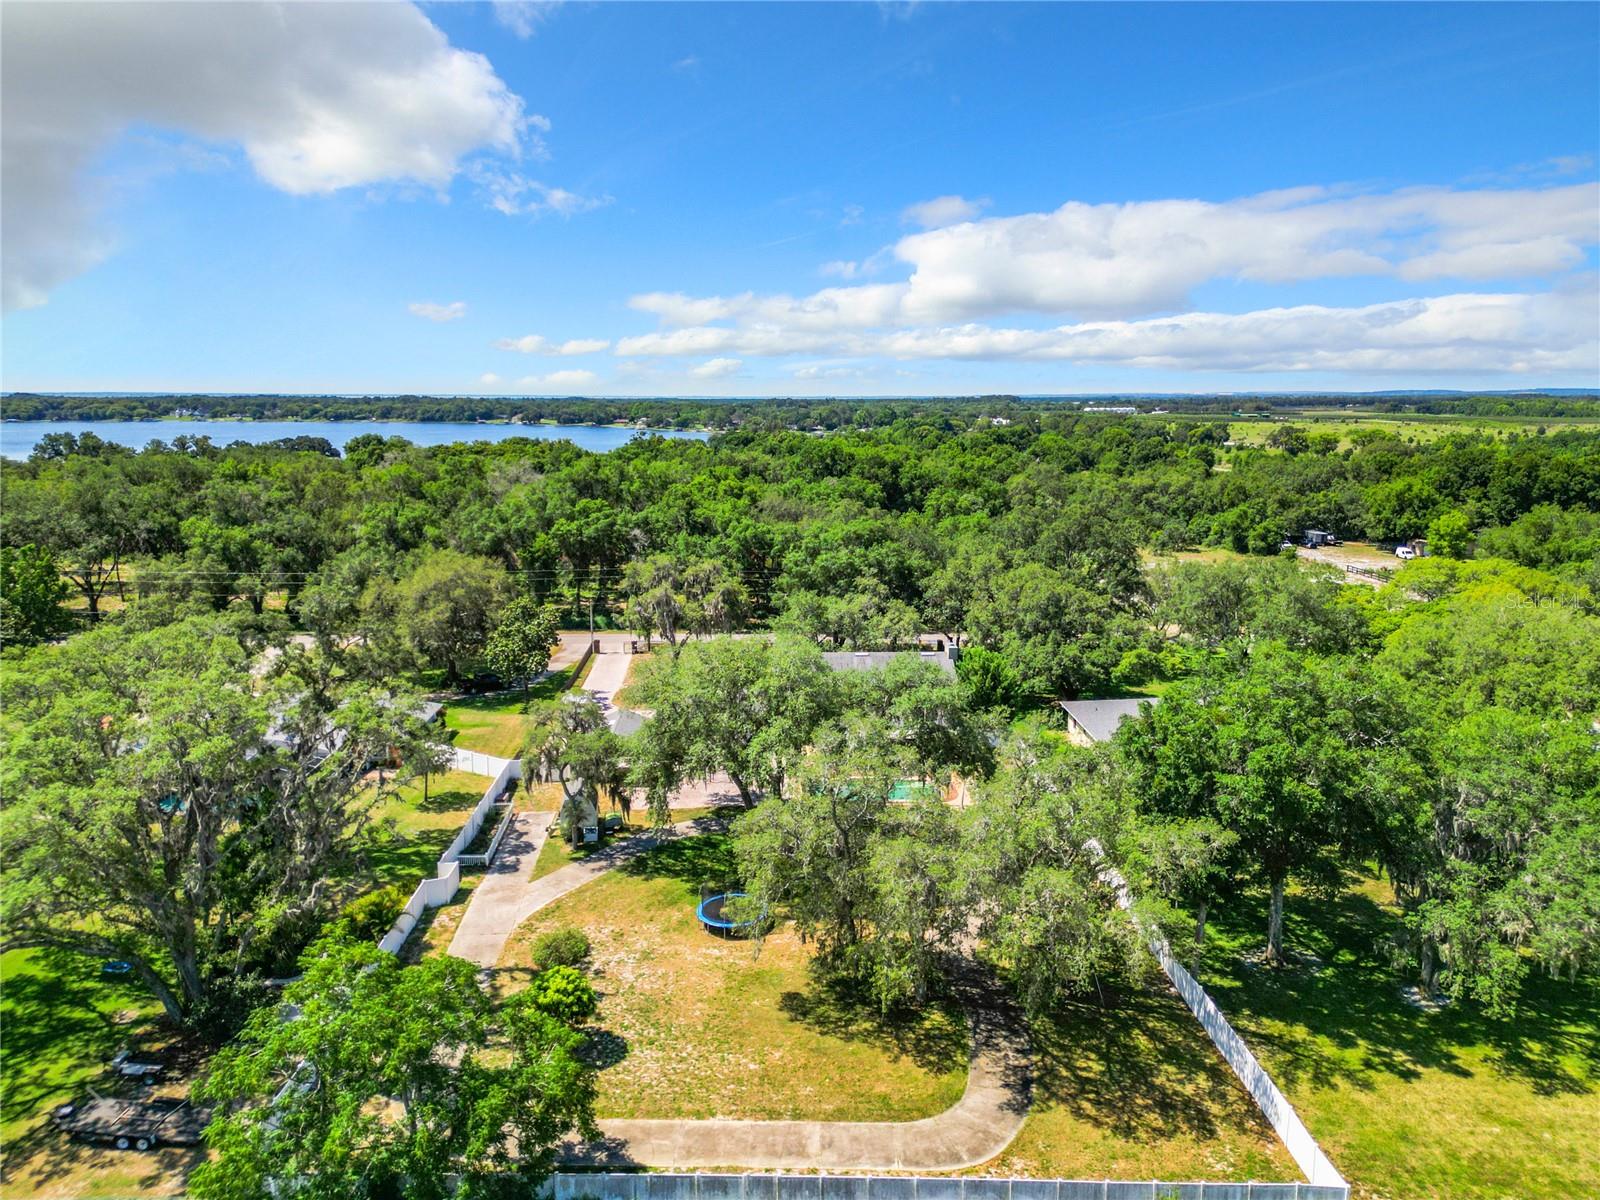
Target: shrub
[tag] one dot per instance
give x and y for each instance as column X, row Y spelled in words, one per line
column 561, row 948
column 367, row 918
column 563, row 993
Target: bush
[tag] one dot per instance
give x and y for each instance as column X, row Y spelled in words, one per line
column 561, row 948
column 367, row 918
column 563, row 993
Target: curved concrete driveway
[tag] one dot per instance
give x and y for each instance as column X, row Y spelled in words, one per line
column 975, row 1129
column 509, row 895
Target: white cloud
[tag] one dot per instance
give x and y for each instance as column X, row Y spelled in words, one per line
column 558, row 380
column 429, row 311
column 489, row 378
column 852, row 214
column 716, row 368
column 1506, row 333
column 534, row 343
column 687, row 63
column 943, row 210
column 523, row 17
column 515, row 194
column 320, row 96
column 1100, row 261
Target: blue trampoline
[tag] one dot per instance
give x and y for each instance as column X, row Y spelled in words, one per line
column 714, row 918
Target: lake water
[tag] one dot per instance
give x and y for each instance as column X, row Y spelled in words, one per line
column 18, row 438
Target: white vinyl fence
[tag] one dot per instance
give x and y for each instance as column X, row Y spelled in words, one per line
column 431, row 893
column 653, row 1186
column 1274, row 1105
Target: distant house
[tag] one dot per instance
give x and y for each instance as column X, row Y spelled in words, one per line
column 876, row 660
column 1091, row 721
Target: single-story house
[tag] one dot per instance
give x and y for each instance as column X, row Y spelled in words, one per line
column 1091, row 721
column 876, row 660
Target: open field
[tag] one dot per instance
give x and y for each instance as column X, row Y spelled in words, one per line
column 695, row 1026
column 62, row 1021
column 1413, row 1104
column 1412, row 427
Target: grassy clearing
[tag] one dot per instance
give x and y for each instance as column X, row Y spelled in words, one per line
column 1206, row 554
column 1415, row 427
column 1133, row 1089
column 628, row 694
column 495, row 724
column 1445, row 1105
column 62, row 1022
column 694, row 1026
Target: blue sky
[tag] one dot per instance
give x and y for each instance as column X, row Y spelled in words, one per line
column 618, row 199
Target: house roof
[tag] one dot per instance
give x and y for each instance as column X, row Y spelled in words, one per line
column 1100, row 718
column 627, row 722
column 875, row 660
column 427, row 710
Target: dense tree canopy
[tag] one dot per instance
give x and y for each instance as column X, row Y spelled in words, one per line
column 1440, row 727
column 387, row 1081
column 170, row 808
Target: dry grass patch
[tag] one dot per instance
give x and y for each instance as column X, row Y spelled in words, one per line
column 692, row 1026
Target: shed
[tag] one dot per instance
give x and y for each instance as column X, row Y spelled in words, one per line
column 1091, row 721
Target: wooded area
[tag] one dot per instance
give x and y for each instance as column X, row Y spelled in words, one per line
column 188, row 625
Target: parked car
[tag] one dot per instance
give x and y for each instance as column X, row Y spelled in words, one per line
column 1404, row 552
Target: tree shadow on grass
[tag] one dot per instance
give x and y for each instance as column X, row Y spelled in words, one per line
column 1139, row 1066
column 843, row 1009
column 60, row 1019
column 604, row 1049
column 449, row 800
column 705, row 858
column 63, row 1021
column 1349, row 995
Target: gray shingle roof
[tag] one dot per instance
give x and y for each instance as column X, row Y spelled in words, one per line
column 876, row 660
column 1100, row 718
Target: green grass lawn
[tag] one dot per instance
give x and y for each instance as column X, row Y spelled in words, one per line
column 60, row 1023
column 495, row 724
column 555, row 853
column 1443, row 1105
column 410, row 833
column 696, row 1026
column 1131, row 1088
